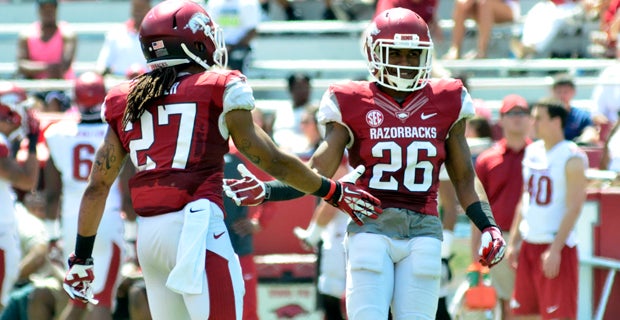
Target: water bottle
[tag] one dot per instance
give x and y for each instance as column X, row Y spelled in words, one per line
column 473, row 274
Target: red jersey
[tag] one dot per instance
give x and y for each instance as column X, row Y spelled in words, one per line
column 402, row 145
column 499, row 169
column 179, row 142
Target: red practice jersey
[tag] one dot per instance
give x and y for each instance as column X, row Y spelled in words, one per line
column 402, row 145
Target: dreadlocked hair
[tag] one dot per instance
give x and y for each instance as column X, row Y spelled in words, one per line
column 146, row 88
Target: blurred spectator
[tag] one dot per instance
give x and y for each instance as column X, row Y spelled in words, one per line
column 486, row 13
column 290, row 12
column 605, row 40
column 121, row 50
column 610, row 159
column 579, row 125
column 425, row 8
column 309, row 128
column 499, row 172
column 606, row 96
column 37, row 293
column 542, row 23
column 479, row 135
column 238, row 19
column 46, row 50
column 287, row 128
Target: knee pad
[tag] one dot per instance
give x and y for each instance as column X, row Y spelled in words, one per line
column 427, row 257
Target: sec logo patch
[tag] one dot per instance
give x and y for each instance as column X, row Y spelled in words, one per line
column 374, row 118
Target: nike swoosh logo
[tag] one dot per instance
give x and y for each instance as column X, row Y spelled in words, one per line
column 217, row 236
column 552, row 309
column 191, row 210
column 347, row 190
column 427, row 116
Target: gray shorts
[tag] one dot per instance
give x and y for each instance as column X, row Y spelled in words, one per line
column 400, row 224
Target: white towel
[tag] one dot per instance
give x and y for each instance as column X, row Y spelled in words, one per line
column 188, row 275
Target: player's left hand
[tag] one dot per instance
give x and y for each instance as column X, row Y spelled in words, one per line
column 78, row 280
column 492, row 246
column 353, row 200
column 249, row 191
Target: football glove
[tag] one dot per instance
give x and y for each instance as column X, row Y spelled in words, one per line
column 492, row 246
column 353, row 200
column 78, row 280
column 249, row 191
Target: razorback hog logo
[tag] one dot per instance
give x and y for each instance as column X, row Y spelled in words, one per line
column 199, row 21
column 290, row 311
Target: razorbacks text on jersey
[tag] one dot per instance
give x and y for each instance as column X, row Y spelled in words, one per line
column 180, row 140
column 402, row 145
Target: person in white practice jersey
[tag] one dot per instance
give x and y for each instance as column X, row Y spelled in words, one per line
column 543, row 242
column 72, row 148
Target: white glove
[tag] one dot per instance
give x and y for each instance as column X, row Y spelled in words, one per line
column 249, row 191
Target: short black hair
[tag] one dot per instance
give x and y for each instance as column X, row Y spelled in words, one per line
column 555, row 108
column 296, row 77
column 563, row 79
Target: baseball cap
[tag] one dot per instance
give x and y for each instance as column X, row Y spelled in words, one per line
column 512, row 101
column 563, row 79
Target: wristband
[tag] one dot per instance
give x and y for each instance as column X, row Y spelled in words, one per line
column 481, row 215
column 33, row 139
column 278, row 191
column 84, row 246
column 327, row 188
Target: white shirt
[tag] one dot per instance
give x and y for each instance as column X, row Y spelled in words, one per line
column 606, row 93
column 544, row 174
column 120, row 51
column 72, row 148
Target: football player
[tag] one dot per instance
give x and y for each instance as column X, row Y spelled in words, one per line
column 173, row 123
column 72, row 148
column 13, row 119
column 401, row 126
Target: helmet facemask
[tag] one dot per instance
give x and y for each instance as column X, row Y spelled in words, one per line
column 220, row 54
column 392, row 75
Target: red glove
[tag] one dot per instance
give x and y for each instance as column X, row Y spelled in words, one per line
column 492, row 246
column 249, row 191
column 78, row 280
column 353, row 200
